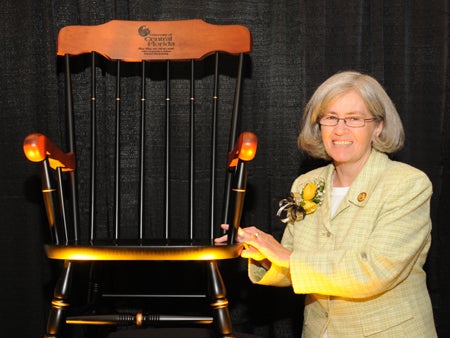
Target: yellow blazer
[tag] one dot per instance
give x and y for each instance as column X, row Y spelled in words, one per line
column 363, row 268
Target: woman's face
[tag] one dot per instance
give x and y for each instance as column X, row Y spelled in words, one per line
column 344, row 144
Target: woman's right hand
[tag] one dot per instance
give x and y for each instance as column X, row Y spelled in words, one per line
column 259, row 246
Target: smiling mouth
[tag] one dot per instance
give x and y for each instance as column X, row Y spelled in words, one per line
column 339, row 143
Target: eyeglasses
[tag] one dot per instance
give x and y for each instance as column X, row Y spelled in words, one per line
column 353, row 122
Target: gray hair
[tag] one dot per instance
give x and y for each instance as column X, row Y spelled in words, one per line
column 378, row 102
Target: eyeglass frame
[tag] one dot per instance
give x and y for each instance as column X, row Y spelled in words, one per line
column 345, row 121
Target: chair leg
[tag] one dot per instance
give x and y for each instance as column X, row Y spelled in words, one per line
column 57, row 314
column 219, row 302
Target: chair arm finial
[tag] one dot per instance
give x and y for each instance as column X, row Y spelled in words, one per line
column 37, row 147
column 244, row 149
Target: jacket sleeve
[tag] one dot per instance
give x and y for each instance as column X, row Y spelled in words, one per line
column 276, row 275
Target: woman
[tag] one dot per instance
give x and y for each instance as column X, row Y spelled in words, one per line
column 358, row 229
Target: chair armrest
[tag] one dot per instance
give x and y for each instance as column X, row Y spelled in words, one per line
column 38, row 147
column 244, row 151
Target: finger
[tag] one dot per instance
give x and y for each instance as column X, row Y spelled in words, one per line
column 252, row 252
column 221, row 239
column 225, row 226
column 252, row 234
column 246, row 234
column 257, row 256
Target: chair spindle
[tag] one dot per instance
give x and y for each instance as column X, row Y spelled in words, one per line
column 215, row 102
column 93, row 145
column 167, row 158
column 191, row 149
column 117, row 155
column 71, row 145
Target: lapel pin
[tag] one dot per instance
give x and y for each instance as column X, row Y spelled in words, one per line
column 362, row 196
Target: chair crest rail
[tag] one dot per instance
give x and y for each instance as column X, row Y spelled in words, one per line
column 154, row 40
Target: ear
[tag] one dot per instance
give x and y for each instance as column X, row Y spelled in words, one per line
column 378, row 129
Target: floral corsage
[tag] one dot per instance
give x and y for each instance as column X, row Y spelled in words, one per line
column 298, row 205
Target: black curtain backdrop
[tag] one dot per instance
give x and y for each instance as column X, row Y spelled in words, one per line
column 297, row 45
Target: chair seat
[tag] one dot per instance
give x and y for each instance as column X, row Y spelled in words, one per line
column 124, row 250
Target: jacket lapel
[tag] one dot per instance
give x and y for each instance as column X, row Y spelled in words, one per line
column 364, row 184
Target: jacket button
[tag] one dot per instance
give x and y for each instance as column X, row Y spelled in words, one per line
column 362, row 196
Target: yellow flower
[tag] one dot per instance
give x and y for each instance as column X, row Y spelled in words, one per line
column 297, row 205
column 309, row 206
column 309, row 191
